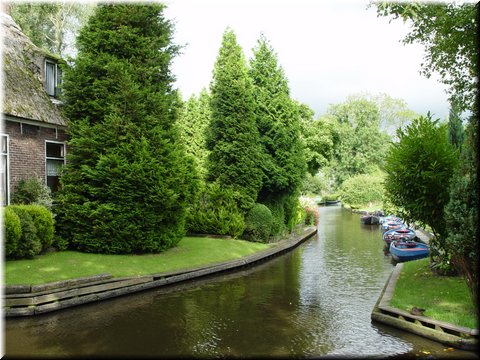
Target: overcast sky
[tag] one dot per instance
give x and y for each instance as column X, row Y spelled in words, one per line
column 329, row 49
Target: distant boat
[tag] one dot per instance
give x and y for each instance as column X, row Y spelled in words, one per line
column 331, row 202
column 370, row 220
column 408, row 250
column 400, row 234
column 390, row 225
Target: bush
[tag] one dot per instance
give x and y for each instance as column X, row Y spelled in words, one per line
column 13, row 231
column 278, row 217
column 32, row 190
column 362, row 189
column 29, row 244
column 258, row 223
column 215, row 212
column 44, row 223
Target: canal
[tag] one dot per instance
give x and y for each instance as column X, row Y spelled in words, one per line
column 313, row 301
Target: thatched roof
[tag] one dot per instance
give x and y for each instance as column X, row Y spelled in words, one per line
column 24, row 95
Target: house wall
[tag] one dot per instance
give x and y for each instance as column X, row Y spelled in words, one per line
column 27, row 149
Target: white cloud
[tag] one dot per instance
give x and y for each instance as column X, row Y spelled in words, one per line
column 328, row 49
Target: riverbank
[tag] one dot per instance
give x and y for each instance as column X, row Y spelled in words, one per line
column 25, row 300
column 386, row 312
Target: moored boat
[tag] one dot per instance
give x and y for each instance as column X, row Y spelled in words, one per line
column 390, row 225
column 408, row 250
column 370, row 220
column 400, row 234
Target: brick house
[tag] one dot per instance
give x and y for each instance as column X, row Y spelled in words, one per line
column 33, row 132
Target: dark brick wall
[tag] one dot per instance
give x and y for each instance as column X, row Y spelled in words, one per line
column 27, row 150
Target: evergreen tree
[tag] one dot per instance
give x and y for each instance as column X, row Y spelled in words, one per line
column 193, row 123
column 278, row 123
column 127, row 180
column 232, row 137
column 456, row 134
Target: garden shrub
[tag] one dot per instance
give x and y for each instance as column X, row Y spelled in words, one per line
column 296, row 213
column 215, row 212
column 258, row 223
column 278, row 217
column 362, row 189
column 29, row 244
column 13, row 231
column 44, row 223
column 32, row 190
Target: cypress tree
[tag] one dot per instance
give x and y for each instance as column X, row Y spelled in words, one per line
column 232, row 136
column 278, row 122
column 456, row 133
column 193, row 122
column 127, row 179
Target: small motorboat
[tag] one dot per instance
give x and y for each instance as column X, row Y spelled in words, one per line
column 408, row 250
column 385, row 219
column 370, row 220
column 401, row 234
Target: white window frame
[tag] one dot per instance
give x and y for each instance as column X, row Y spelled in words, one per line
column 56, row 77
column 52, row 157
column 7, row 175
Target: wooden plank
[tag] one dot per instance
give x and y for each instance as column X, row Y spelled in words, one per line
column 16, row 289
column 21, row 311
column 70, row 282
column 113, row 285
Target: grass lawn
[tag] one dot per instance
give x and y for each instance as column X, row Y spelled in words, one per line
column 190, row 252
column 445, row 298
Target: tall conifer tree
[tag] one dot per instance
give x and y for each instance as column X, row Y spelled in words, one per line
column 127, row 180
column 278, row 122
column 232, row 137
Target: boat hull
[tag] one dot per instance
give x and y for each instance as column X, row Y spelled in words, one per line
column 408, row 251
column 399, row 234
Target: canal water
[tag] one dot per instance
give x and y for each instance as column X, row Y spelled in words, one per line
column 314, row 301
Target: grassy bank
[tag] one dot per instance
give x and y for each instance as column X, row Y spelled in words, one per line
column 190, row 252
column 444, row 298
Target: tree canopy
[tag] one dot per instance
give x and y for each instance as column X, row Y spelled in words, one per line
column 448, row 33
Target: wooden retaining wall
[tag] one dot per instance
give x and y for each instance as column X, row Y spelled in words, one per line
column 26, row 300
column 440, row 331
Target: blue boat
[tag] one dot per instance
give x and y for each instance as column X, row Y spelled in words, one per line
column 392, row 224
column 401, row 233
column 408, row 250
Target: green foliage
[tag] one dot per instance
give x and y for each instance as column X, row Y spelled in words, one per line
column 279, row 221
column 29, row 244
column 359, row 190
column 278, row 123
column 215, row 212
column 128, row 179
column 13, row 231
column 235, row 154
column 258, row 223
column 44, row 223
column 461, row 213
column 32, row 190
column 448, row 33
column 359, row 145
column 419, row 169
column 318, row 139
column 295, row 213
column 51, row 26
column 456, row 133
column 193, row 122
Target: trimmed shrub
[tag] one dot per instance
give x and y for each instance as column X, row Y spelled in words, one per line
column 32, row 190
column 215, row 212
column 13, row 231
column 29, row 244
column 278, row 215
column 44, row 223
column 258, row 223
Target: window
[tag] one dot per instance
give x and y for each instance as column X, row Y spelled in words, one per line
column 54, row 161
column 4, row 171
column 53, row 78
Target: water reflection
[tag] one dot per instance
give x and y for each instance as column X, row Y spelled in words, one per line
column 313, row 301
